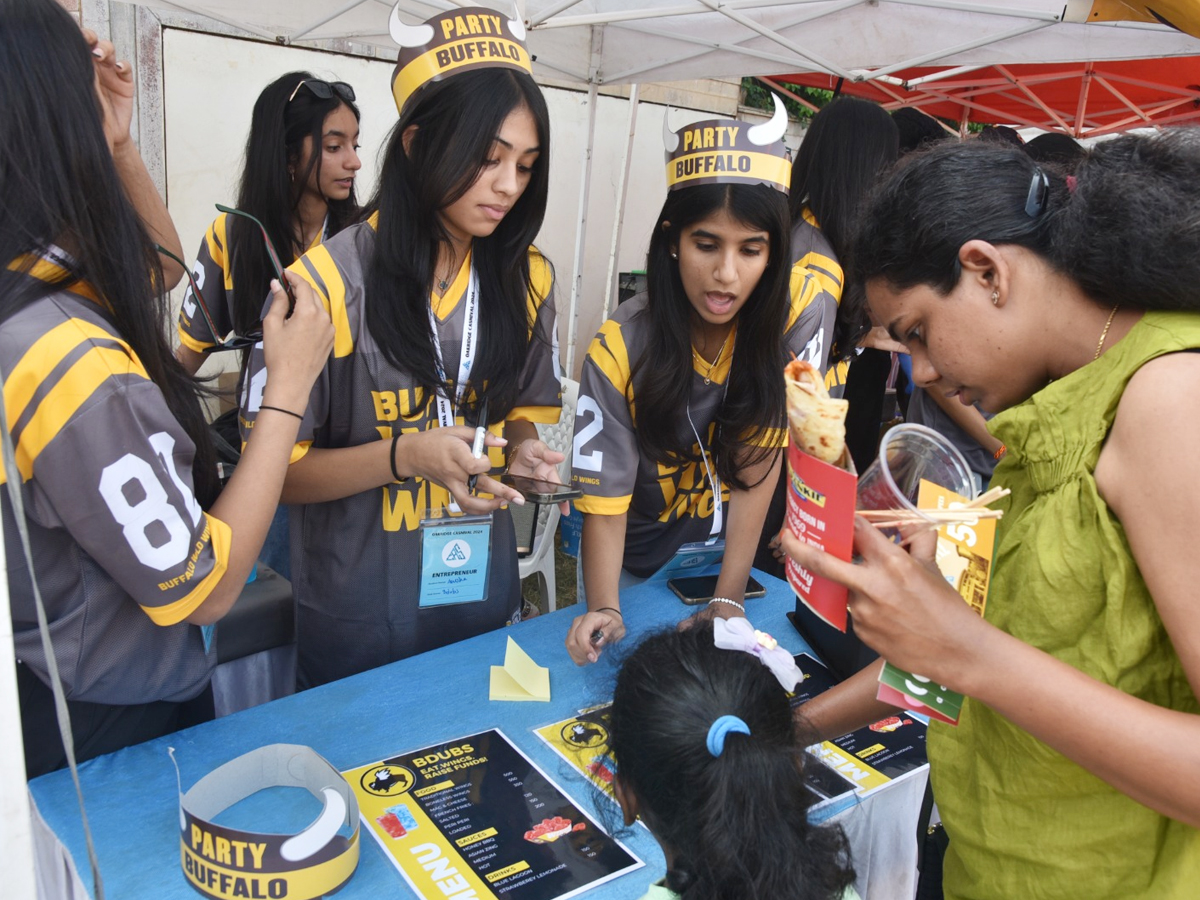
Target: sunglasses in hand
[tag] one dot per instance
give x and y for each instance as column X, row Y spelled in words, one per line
column 234, row 341
column 271, row 252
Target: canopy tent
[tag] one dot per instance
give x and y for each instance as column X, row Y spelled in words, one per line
column 626, row 41
column 1085, row 99
column 595, row 42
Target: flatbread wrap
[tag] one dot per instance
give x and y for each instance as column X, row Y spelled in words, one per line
column 816, row 421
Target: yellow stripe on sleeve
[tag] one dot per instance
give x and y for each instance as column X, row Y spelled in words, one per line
column 221, row 536
column 217, row 238
column 540, row 415
column 317, row 262
column 43, row 356
column 192, row 344
column 803, row 289
column 611, row 357
column 62, row 401
column 541, row 279
column 603, row 506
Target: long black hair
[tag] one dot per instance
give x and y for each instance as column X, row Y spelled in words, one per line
column 1128, row 234
column 669, row 691
column 60, row 186
column 457, row 121
column 271, row 193
column 755, row 400
column 849, row 145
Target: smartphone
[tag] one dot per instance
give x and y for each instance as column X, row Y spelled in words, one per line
column 702, row 588
column 541, row 491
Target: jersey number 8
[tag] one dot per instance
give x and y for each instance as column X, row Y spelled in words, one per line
column 136, row 518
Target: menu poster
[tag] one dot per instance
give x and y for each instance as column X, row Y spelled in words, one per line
column 870, row 757
column 476, row 818
column 964, row 557
column 582, row 741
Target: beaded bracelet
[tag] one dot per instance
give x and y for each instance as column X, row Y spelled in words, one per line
column 999, row 454
column 730, row 602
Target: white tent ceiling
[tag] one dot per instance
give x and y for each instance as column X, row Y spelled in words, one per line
column 622, row 41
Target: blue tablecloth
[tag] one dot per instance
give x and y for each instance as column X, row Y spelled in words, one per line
column 131, row 795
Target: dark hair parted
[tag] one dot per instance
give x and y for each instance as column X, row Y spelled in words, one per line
column 661, row 377
column 849, row 145
column 1129, row 234
column 457, row 121
column 846, row 148
column 669, row 691
column 60, row 186
column 271, row 193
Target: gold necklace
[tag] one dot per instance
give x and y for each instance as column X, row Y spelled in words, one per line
column 711, row 365
column 1104, row 333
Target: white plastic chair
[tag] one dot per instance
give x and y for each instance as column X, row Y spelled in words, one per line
column 540, row 560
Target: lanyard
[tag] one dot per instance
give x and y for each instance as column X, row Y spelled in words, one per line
column 718, row 503
column 446, row 408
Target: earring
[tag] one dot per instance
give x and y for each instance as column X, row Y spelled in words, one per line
column 674, row 255
column 995, row 297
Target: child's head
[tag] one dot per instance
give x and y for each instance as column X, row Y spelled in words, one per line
column 725, row 797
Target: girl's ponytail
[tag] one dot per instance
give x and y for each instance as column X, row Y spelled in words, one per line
column 737, row 821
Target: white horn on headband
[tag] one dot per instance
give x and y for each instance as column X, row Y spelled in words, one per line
column 516, row 25
column 670, row 138
column 771, row 131
column 408, row 35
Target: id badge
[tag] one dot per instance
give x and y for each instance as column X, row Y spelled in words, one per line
column 456, row 555
column 691, row 559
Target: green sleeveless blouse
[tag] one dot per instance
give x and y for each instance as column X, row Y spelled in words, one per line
column 1023, row 820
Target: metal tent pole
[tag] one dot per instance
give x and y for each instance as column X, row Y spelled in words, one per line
column 610, row 284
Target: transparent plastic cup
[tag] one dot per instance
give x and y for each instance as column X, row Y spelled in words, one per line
column 908, row 455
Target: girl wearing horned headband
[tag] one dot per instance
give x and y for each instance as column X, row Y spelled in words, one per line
column 444, row 321
column 681, row 405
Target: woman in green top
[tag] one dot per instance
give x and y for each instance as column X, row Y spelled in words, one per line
column 1064, row 305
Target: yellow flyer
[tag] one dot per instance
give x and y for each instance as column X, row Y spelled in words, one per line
column 583, row 742
column 964, row 557
column 476, row 818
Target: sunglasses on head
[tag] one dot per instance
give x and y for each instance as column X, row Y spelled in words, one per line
column 323, row 90
column 271, row 252
column 235, row 341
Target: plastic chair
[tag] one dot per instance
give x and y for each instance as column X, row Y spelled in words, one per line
column 540, row 560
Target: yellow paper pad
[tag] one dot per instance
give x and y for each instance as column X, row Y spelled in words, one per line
column 520, row 678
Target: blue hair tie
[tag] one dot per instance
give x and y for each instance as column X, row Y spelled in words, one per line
column 721, row 727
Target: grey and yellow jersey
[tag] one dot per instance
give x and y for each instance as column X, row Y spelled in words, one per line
column 667, row 506
column 814, row 262
column 213, row 273
column 355, row 561
column 122, row 551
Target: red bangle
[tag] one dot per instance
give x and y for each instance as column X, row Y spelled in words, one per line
column 999, row 454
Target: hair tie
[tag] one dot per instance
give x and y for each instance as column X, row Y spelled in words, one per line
column 722, row 726
column 1072, row 181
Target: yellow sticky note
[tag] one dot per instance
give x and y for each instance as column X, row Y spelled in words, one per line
column 520, row 678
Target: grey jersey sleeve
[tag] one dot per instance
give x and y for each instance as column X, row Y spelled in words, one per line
column 540, row 394
column 212, row 274
column 605, row 456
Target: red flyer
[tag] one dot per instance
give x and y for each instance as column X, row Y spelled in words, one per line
column 820, row 511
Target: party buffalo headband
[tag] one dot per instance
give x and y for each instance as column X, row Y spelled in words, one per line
column 726, row 151
column 451, row 42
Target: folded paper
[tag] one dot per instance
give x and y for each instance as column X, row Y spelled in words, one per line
column 520, row 678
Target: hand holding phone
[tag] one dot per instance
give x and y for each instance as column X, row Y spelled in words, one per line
column 540, row 491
